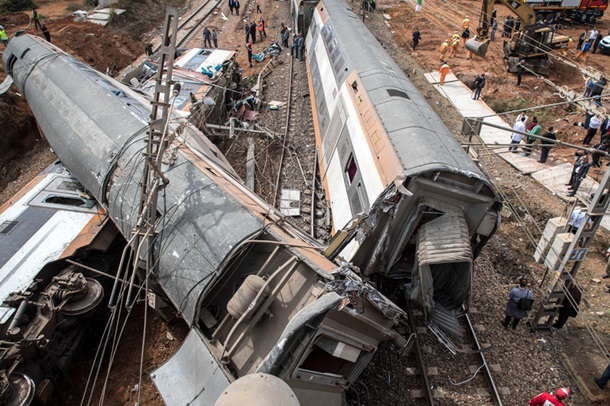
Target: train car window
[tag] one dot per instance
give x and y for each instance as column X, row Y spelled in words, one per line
column 11, row 62
column 351, row 169
column 398, row 93
column 355, row 86
column 24, row 53
column 69, row 201
column 332, row 361
column 7, row 226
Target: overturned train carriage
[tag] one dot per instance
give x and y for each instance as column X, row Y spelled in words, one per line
column 258, row 296
column 417, row 209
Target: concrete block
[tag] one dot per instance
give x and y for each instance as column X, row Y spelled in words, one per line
column 421, row 330
column 417, row 393
column 559, row 247
column 553, row 227
column 495, row 368
column 432, row 371
column 504, row 391
column 482, row 392
column 410, row 371
column 427, row 349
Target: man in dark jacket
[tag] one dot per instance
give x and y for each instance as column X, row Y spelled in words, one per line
column 546, row 144
column 479, row 84
column 569, row 306
column 416, row 38
column 579, row 173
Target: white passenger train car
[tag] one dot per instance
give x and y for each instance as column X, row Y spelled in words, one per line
column 387, row 158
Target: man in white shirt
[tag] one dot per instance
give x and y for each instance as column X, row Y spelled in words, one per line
column 593, row 34
column 594, row 124
column 516, row 137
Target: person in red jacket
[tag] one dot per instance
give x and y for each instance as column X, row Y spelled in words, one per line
column 550, row 399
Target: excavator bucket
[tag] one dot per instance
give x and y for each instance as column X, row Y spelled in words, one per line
column 477, row 48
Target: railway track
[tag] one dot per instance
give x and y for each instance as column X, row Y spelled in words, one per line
column 190, row 26
column 439, row 374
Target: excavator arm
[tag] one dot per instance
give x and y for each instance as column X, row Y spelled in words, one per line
column 525, row 14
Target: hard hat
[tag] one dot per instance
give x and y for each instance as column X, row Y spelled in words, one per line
column 1, row 27
column 562, row 393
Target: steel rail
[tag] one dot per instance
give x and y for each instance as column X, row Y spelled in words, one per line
column 285, row 140
column 495, row 395
column 419, row 355
column 314, row 193
column 195, row 27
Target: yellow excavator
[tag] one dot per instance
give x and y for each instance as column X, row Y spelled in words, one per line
column 531, row 42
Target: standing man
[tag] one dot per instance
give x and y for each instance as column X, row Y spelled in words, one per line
column 569, row 307
column 215, row 37
column 579, row 173
column 236, row 5
column 598, row 39
column 416, row 38
column 36, row 18
column 479, row 84
column 45, row 32
column 443, row 49
column 444, row 71
column 258, row 6
column 455, row 41
column 262, row 20
column 231, row 6
column 536, row 130
column 249, row 48
column 294, row 48
column 284, row 33
column 594, row 124
column 465, row 23
column 520, row 71
column 583, row 52
column 206, row 38
column 593, row 35
column 568, row 46
column 301, row 45
column 3, row 36
column 581, row 39
column 253, row 32
column 515, row 138
column 465, row 36
column 547, row 144
column 494, row 28
column 550, row 399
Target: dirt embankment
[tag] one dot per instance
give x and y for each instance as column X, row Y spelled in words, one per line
column 105, row 48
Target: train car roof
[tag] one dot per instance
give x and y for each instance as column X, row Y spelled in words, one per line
column 39, row 224
column 421, row 140
column 202, row 218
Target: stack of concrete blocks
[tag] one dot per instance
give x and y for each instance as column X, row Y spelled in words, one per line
column 553, row 227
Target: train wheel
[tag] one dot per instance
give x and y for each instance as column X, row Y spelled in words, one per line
column 549, row 18
column 22, row 390
column 86, row 303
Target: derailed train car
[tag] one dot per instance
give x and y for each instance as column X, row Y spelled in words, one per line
column 47, row 302
column 418, row 208
column 256, row 293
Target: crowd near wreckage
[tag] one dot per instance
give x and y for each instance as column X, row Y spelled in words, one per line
column 258, row 295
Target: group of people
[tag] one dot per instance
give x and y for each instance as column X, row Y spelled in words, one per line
column 588, row 42
column 254, row 27
column 39, row 24
column 533, row 132
column 450, row 45
column 209, row 37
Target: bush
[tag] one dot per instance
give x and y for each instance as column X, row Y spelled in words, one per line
column 19, row 5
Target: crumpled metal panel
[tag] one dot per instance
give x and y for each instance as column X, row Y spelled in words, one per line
column 444, row 261
column 99, row 136
column 192, row 376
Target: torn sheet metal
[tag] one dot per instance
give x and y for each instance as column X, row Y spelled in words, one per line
column 192, row 376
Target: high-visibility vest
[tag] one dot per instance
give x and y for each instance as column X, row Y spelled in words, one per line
column 3, row 35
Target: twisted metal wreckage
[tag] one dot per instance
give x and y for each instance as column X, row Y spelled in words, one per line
column 257, row 294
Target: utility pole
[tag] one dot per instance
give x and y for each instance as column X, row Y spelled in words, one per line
column 574, row 256
column 153, row 180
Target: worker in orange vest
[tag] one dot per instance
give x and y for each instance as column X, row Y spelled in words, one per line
column 455, row 41
column 444, row 71
column 444, row 47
